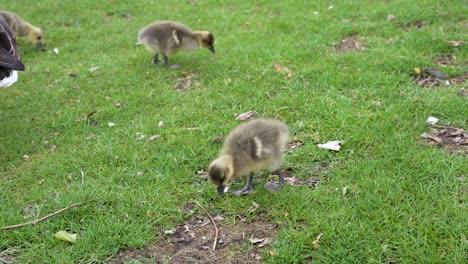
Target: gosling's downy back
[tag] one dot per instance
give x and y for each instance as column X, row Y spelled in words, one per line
column 256, row 145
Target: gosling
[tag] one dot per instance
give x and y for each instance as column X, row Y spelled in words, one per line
column 22, row 28
column 167, row 37
column 256, row 145
column 9, row 56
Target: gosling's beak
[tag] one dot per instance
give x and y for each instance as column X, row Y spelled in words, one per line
column 39, row 45
column 220, row 191
column 212, row 49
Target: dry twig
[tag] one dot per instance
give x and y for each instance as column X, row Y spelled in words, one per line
column 214, row 224
column 45, row 217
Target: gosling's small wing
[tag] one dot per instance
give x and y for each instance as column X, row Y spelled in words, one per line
column 9, row 54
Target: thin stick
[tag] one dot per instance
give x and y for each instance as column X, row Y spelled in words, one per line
column 45, row 217
column 214, row 224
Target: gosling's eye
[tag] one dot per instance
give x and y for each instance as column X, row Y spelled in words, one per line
column 39, row 38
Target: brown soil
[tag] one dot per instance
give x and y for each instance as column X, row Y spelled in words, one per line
column 192, row 243
column 349, row 44
column 451, row 138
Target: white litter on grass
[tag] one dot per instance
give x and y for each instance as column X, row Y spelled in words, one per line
column 160, row 124
column 153, row 137
column 56, row 51
column 110, row 124
column 330, row 7
column 333, row 145
column 315, row 13
column 432, row 120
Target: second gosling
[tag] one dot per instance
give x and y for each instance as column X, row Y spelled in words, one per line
column 167, row 37
column 256, row 145
column 23, row 28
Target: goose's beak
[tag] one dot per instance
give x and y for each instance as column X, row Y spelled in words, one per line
column 220, row 191
column 212, row 49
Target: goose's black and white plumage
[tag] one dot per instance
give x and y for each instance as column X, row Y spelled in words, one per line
column 9, row 56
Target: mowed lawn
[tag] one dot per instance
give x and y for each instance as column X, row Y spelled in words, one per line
column 385, row 197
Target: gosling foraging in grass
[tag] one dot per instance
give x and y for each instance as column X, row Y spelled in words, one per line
column 256, row 145
column 22, row 28
column 168, row 37
column 9, row 56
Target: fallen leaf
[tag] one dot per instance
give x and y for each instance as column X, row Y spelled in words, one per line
column 266, row 241
column 315, row 244
column 185, row 82
column 432, row 120
column 253, row 208
column 455, row 43
column 254, row 240
column 417, row 71
column 25, row 157
column 53, row 148
column 218, row 139
column 95, row 68
column 218, row 218
column 279, row 68
column 40, row 182
column 247, row 23
column 170, row 231
column 332, row 145
column 286, row 213
column 294, row 145
column 65, row 236
column 246, row 115
column 149, row 214
column 427, row 136
column 273, row 253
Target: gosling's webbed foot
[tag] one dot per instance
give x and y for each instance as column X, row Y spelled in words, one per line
column 248, row 188
column 245, row 190
column 273, row 186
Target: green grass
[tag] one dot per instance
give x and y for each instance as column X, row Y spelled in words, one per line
column 404, row 201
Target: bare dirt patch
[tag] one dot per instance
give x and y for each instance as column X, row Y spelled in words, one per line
column 445, row 60
column 453, row 139
column 185, row 82
column 349, row 44
column 192, row 243
column 413, row 25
